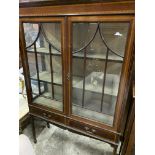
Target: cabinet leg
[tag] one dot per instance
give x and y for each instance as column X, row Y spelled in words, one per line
column 33, row 129
column 114, row 150
column 48, row 124
column 20, row 130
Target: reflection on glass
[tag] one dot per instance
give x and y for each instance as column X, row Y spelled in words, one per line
column 97, row 58
column 52, row 32
column 115, row 35
column 45, row 66
column 31, row 32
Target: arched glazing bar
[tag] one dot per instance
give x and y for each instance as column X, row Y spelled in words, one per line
column 36, row 37
column 102, row 38
column 46, row 38
column 106, row 43
column 41, row 30
column 88, row 42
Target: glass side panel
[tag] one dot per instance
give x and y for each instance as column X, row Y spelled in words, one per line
column 43, row 43
column 97, row 57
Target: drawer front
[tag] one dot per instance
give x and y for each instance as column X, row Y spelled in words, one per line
column 47, row 115
column 92, row 130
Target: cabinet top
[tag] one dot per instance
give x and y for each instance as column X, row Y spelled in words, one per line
column 37, row 3
column 35, row 8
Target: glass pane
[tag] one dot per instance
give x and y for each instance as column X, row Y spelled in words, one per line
column 45, row 65
column 32, row 64
column 88, row 31
column 96, row 69
column 52, row 31
column 35, row 88
column 31, row 32
column 115, row 35
column 111, row 87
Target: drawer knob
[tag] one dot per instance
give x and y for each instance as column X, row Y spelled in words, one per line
column 49, row 116
column 44, row 114
column 93, row 130
column 86, row 128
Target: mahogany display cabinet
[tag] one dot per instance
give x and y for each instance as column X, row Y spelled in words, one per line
column 77, row 61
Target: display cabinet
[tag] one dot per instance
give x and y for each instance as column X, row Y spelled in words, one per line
column 77, row 63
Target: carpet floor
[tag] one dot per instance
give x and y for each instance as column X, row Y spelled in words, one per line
column 56, row 141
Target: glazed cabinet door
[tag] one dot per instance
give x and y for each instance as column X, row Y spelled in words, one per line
column 98, row 53
column 44, row 51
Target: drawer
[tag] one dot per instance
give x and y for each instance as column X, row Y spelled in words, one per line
column 47, row 115
column 92, row 130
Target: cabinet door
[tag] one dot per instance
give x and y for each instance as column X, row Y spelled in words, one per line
column 44, row 52
column 97, row 54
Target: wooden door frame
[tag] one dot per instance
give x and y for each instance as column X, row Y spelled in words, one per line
column 25, row 60
column 127, row 63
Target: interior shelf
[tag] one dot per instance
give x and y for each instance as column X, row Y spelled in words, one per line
column 111, row 84
column 93, row 55
column 46, row 100
column 90, row 55
column 46, row 77
column 92, row 115
column 49, row 103
column 57, row 79
column 44, row 50
column 94, row 104
column 47, row 94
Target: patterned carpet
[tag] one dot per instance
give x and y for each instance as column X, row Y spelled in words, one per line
column 56, row 141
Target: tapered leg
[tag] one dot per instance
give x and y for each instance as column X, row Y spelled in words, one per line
column 33, row 129
column 20, row 130
column 48, row 124
column 115, row 150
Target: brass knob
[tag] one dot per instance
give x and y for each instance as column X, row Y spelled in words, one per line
column 93, row 130
column 86, row 128
column 44, row 114
column 49, row 116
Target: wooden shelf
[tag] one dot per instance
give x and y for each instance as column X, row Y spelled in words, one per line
column 98, row 56
column 43, row 50
column 111, row 84
column 76, row 110
column 46, row 77
column 94, row 104
column 48, row 102
column 91, row 55
column 57, row 79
